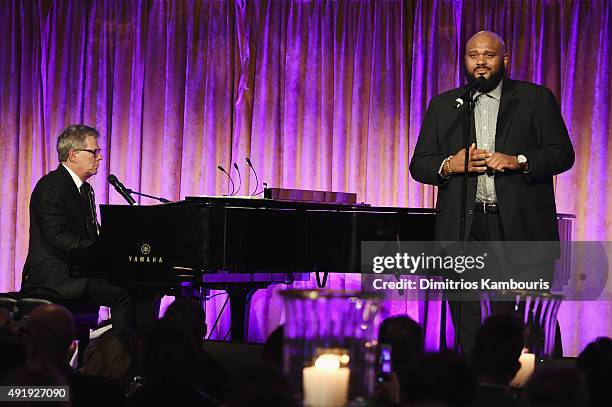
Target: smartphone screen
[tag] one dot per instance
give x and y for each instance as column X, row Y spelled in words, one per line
column 383, row 369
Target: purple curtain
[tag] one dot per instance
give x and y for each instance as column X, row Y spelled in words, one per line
column 319, row 94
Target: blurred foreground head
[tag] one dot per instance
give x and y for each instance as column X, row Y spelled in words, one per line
column 595, row 361
column 261, row 385
column 188, row 312
column 48, row 333
column 556, row 387
column 114, row 355
column 405, row 336
column 497, row 348
column 443, row 377
column 170, row 355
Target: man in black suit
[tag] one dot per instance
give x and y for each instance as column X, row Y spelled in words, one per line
column 518, row 143
column 63, row 217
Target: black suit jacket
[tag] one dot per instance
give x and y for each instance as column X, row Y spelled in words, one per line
column 529, row 122
column 57, row 224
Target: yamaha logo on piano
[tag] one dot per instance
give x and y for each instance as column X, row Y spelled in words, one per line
column 145, row 249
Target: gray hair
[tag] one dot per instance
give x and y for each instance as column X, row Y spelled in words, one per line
column 73, row 138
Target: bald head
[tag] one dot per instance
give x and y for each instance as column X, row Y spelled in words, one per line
column 52, row 330
column 486, row 38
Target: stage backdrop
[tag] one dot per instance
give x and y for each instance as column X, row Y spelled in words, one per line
column 319, row 94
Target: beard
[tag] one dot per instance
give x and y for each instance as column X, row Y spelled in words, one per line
column 489, row 84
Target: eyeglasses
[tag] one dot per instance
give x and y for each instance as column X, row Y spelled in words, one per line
column 94, row 152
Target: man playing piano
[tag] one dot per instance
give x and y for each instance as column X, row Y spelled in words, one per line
column 63, row 217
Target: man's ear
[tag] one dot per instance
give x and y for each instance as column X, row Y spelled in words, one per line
column 506, row 61
column 71, row 155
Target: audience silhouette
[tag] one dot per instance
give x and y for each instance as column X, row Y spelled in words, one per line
column 170, row 366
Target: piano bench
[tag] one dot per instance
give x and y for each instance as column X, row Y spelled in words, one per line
column 85, row 317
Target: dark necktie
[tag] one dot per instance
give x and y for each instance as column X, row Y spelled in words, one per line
column 89, row 205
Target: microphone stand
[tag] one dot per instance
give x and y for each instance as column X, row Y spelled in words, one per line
column 164, row 200
column 466, row 144
column 469, row 110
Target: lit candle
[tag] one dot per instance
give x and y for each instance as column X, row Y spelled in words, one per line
column 527, row 361
column 326, row 383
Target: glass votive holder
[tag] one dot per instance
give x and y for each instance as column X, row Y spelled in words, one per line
column 337, row 330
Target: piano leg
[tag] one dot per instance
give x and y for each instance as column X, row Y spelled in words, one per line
column 239, row 310
column 240, row 288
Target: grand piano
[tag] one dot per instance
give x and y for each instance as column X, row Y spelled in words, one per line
column 239, row 244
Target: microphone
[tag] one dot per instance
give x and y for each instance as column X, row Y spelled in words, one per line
column 239, row 178
column 472, row 86
column 119, row 187
column 230, row 178
column 256, row 179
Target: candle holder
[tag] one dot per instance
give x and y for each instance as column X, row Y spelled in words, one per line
column 323, row 324
column 537, row 310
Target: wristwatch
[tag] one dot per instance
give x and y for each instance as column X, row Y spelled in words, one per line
column 522, row 160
